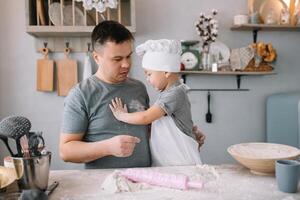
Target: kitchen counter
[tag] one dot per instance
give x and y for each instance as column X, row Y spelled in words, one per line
column 228, row 182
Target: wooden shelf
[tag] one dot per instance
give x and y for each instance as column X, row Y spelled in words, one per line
column 254, row 28
column 238, row 76
column 259, row 27
column 78, row 36
column 228, row 73
column 63, row 31
column 251, row 27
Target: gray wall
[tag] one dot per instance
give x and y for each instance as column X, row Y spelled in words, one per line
column 237, row 116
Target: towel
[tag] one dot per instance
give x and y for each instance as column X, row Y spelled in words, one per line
column 87, row 70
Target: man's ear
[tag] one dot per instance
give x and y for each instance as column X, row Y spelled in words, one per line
column 167, row 74
column 97, row 57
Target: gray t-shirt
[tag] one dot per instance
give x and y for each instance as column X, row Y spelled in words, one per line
column 86, row 111
column 175, row 102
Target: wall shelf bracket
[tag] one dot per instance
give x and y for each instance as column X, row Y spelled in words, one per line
column 238, row 89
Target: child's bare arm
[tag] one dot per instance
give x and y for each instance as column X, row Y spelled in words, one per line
column 140, row 118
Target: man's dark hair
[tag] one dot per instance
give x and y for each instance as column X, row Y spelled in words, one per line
column 110, row 31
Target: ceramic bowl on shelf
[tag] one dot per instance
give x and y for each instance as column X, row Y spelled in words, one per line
column 260, row 158
column 270, row 11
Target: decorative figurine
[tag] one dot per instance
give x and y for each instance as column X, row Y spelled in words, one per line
column 285, row 16
column 99, row 5
column 264, row 55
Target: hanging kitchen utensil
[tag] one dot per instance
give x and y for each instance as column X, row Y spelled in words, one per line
column 15, row 127
column 4, row 138
column 45, row 71
column 66, row 73
column 25, row 146
column 87, row 70
column 208, row 115
column 36, row 143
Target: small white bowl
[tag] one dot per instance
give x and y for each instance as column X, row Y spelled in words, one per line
column 8, row 162
column 260, row 158
column 240, row 19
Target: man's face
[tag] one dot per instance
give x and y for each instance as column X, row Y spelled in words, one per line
column 114, row 61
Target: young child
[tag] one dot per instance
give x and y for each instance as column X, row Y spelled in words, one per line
column 172, row 140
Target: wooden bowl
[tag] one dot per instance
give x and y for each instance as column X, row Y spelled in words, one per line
column 7, row 176
column 260, row 158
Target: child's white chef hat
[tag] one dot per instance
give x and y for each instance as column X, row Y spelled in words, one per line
column 160, row 55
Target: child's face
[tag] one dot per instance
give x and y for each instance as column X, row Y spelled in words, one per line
column 157, row 79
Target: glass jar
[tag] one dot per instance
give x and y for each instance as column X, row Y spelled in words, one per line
column 206, row 58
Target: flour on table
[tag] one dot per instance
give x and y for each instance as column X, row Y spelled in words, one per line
column 207, row 173
column 289, row 198
column 210, row 177
column 115, row 183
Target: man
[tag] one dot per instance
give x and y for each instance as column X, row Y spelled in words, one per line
column 90, row 134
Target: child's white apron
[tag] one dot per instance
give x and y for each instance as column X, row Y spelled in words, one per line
column 170, row 146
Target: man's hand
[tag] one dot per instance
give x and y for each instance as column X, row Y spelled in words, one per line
column 200, row 137
column 117, row 108
column 123, row 145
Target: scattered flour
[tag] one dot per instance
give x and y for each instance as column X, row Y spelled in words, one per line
column 289, row 198
column 221, row 182
column 115, row 183
column 136, row 106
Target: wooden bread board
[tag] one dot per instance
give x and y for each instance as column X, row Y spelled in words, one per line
column 41, row 20
column 67, row 74
column 45, row 71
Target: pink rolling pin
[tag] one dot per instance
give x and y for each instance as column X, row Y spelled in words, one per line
column 160, row 179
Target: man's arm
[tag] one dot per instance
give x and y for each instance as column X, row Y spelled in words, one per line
column 72, row 149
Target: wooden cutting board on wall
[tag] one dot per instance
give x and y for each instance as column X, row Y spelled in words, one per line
column 45, row 73
column 67, row 74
